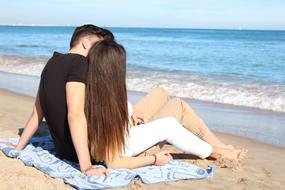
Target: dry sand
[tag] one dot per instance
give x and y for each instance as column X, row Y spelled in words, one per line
column 264, row 167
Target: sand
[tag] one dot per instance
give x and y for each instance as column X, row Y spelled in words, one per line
column 263, row 168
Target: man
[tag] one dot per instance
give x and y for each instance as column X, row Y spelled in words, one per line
column 61, row 96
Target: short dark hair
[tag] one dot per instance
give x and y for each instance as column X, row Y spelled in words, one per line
column 81, row 31
column 107, row 34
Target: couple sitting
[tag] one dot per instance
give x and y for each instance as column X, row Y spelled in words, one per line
column 83, row 97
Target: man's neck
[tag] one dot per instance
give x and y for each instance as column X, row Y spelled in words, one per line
column 79, row 51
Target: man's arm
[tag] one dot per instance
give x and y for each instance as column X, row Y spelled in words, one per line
column 32, row 124
column 75, row 96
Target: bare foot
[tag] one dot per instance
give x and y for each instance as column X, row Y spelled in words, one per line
column 231, row 154
column 213, row 140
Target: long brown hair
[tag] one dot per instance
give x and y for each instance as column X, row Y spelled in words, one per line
column 106, row 99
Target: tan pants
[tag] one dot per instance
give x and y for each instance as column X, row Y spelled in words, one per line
column 158, row 104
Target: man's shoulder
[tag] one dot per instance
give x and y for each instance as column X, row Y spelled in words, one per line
column 67, row 59
column 68, row 56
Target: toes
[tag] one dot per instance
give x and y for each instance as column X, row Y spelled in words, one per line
column 242, row 153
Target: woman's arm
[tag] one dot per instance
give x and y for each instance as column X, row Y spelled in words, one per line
column 158, row 159
column 118, row 161
column 32, row 125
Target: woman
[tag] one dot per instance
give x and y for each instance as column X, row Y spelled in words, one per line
column 111, row 139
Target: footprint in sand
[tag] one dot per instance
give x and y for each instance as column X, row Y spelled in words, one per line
column 266, row 172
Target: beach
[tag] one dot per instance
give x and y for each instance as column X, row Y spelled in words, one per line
column 262, row 169
column 233, row 79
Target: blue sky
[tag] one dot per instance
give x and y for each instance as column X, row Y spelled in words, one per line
column 232, row 14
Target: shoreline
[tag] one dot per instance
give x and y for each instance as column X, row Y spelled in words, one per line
column 249, row 94
column 261, row 125
column 35, row 79
column 262, row 169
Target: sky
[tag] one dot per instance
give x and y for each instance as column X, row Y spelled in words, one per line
column 225, row 14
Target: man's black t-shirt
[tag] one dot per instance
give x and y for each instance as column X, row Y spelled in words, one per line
column 59, row 70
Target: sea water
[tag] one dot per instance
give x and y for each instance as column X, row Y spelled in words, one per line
column 238, row 67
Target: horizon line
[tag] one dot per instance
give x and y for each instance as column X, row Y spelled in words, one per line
column 148, row 27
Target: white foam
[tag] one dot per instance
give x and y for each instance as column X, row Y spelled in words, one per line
column 258, row 95
column 22, row 65
column 254, row 95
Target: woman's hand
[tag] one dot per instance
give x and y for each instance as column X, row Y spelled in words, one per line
column 162, row 158
column 96, row 172
column 138, row 118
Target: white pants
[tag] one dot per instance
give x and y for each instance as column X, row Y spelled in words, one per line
column 167, row 129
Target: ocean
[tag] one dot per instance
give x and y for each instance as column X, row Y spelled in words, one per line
column 237, row 67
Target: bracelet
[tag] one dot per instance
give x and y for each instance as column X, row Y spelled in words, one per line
column 155, row 159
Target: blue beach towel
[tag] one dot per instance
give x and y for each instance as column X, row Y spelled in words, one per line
column 40, row 154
